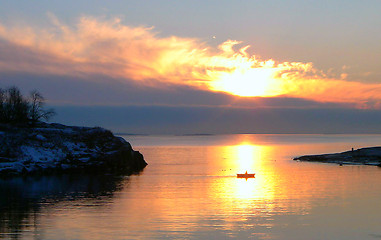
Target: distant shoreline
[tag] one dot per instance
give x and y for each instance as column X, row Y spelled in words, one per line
column 361, row 156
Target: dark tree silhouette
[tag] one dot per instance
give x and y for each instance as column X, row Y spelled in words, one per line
column 2, row 100
column 14, row 108
column 36, row 108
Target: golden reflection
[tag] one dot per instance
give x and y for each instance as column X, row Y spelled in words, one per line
column 246, row 156
column 274, row 185
column 251, row 158
column 183, row 196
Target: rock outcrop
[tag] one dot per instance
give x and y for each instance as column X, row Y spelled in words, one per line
column 362, row 156
column 51, row 148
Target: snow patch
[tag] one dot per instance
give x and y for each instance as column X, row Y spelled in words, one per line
column 56, row 130
column 41, row 155
column 40, row 137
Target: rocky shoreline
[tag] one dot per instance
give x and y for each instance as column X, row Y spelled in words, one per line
column 362, row 156
column 56, row 148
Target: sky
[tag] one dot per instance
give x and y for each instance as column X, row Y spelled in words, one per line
column 183, row 67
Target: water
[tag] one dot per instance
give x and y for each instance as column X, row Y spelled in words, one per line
column 189, row 190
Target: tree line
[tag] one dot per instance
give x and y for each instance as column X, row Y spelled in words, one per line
column 18, row 109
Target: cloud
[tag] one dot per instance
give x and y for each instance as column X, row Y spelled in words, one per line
column 124, row 53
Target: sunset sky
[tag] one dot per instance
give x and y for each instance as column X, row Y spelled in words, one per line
column 199, row 66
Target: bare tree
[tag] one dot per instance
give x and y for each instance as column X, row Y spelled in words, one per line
column 15, row 108
column 36, row 108
column 2, row 100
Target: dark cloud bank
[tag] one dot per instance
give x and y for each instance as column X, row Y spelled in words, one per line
column 127, row 107
column 221, row 120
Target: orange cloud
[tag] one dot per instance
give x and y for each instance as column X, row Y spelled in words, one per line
column 138, row 53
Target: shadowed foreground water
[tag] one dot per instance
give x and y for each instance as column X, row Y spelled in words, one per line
column 190, row 190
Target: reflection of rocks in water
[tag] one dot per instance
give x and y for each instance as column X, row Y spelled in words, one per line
column 21, row 198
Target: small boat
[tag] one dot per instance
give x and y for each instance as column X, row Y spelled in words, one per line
column 245, row 175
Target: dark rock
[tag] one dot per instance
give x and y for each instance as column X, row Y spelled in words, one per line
column 362, row 156
column 51, row 148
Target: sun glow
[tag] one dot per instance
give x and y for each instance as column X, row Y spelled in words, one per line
column 124, row 53
column 247, row 82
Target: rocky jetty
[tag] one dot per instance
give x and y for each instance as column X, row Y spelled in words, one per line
column 56, row 148
column 362, row 156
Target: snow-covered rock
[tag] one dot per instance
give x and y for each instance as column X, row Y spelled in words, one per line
column 51, row 148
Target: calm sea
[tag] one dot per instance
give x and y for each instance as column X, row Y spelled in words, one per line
column 189, row 190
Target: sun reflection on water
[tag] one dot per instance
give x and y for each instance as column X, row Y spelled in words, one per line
column 192, row 192
column 274, row 188
column 251, row 158
column 198, row 185
column 246, row 156
column 246, row 199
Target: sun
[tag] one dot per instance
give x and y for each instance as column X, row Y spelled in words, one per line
column 252, row 82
